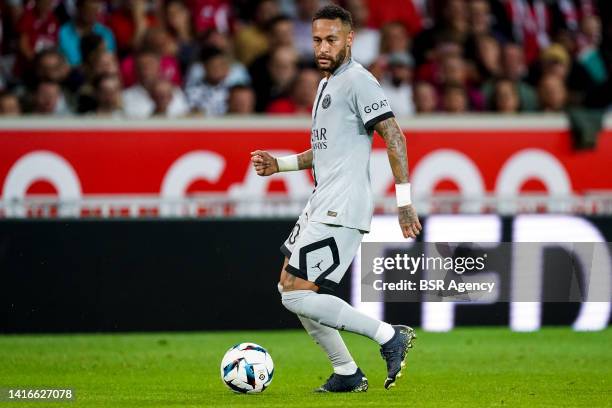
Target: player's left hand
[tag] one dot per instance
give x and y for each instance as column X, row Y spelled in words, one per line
column 409, row 221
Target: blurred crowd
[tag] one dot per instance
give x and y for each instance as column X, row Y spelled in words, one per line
column 173, row 58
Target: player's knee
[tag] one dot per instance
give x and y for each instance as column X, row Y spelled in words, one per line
column 293, row 300
column 288, row 302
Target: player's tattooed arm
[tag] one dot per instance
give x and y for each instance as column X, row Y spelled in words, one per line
column 305, row 160
column 266, row 165
column 394, row 138
column 391, row 132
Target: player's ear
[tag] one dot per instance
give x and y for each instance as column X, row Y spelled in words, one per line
column 349, row 38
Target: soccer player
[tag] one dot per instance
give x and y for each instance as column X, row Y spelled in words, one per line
column 350, row 105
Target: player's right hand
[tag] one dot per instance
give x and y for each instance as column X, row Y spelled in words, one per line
column 264, row 163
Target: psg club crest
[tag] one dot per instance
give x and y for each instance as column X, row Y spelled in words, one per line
column 326, row 101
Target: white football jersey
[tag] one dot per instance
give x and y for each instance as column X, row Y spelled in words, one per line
column 349, row 104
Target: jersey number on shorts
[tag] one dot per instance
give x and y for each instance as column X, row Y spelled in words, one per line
column 295, row 232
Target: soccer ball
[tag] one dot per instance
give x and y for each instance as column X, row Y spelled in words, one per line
column 247, row 368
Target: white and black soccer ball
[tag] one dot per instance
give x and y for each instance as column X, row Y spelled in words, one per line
column 247, row 368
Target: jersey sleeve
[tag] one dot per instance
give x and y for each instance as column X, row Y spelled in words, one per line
column 370, row 100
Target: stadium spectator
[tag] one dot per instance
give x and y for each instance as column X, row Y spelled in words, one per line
column 552, row 93
column 398, row 84
column 38, row 29
column 483, row 21
column 450, row 27
column 241, row 100
column 394, row 38
column 513, row 62
column 280, row 34
column 454, row 71
column 425, row 97
column 137, row 98
column 455, row 99
column 281, row 71
column 129, row 22
column 162, row 94
column 488, row 58
column 488, row 48
column 366, row 43
column 210, row 96
column 108, row 96
column 429, row 70
column 159, row 41
column 555, row 60
column 505, row 97
column 105, row 63
column 92, row 45
column 86, row 22
column 47, row 100
column 515, row 69
column 50, row 65
column 456, row 19
column 238, row 74
column 402, row 11
column 479, row 17
column 588, row 51
column 251, row 41
column 306, row 9
column 9, row 104
column 302, row 97
column 179, row 25
column 102, row 64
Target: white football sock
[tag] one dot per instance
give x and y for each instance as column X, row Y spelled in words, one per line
column 346, row 369
column 332, row 343
column 334, row 312
column 384, row 333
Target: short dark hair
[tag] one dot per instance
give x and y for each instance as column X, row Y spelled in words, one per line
column 240, row 87
column 332, row 12
column 40, row 55
column 281, row 18
column 90, row 43
column 146, row 51
column 208, row 53
column 4, row 93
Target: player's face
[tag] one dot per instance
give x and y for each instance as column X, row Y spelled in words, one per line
column 332, row 42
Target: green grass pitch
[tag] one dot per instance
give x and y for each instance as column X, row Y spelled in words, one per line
column 467, row 367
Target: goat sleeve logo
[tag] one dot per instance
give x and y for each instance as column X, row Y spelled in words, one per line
column 326, row 101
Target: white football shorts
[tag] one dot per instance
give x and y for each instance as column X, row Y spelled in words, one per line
column 320, row 253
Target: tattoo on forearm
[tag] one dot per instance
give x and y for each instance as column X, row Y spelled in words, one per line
column 391, row 132
column 407, row 215
column 305, row 160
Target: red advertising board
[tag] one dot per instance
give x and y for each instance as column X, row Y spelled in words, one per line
column 177, row 160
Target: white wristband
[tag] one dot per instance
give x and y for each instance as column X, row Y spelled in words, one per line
column 402, row 193
column 288, row 163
